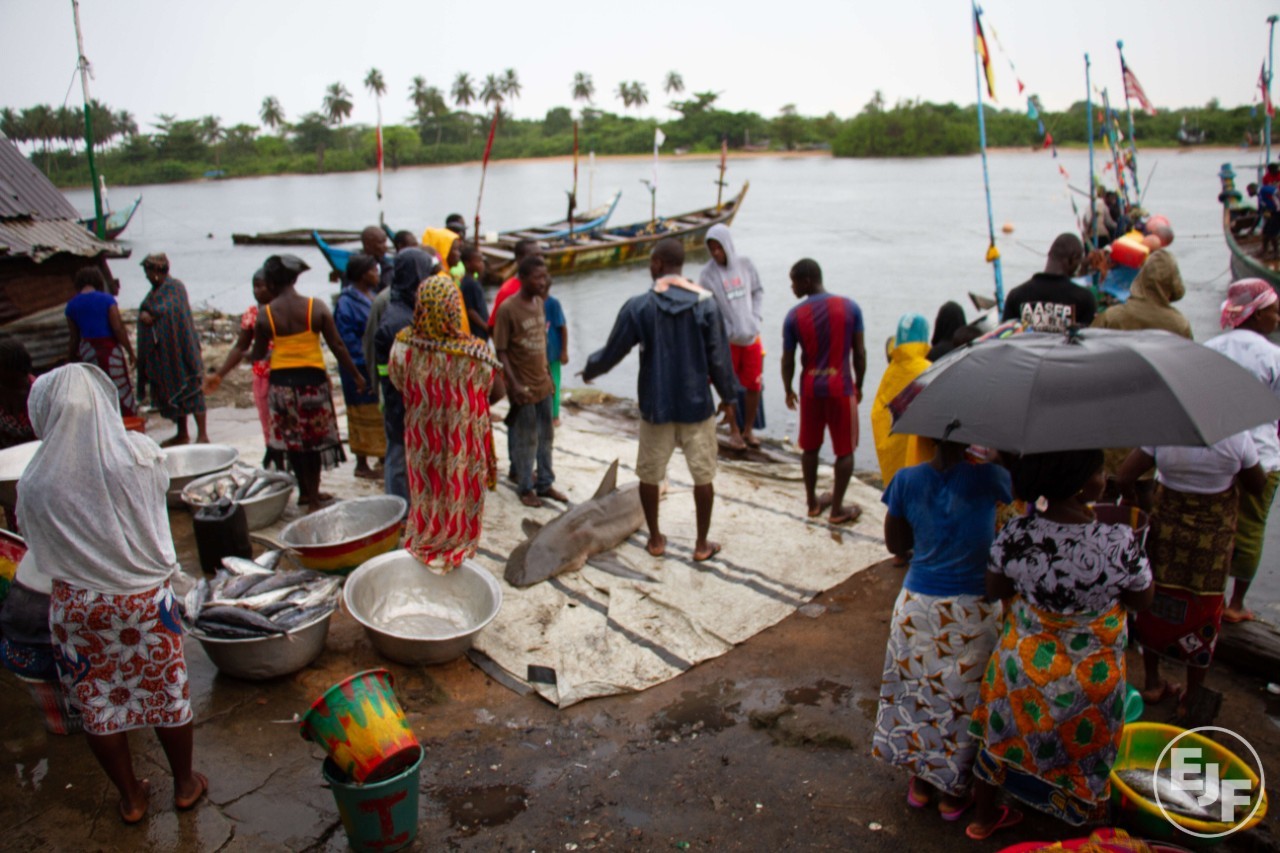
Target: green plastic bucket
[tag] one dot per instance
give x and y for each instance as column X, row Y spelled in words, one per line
column 380, row 816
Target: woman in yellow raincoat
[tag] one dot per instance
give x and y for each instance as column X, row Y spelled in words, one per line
column 906, row 362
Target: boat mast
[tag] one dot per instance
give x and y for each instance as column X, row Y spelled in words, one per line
column 99, row 224
column 1093, row 183
column 573, row 195
column 1133, row 142
column 993, row 254
column 1114, row 143
column 1271, row 64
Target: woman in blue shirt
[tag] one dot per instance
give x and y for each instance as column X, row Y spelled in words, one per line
column 943, row 514
column 98, row 336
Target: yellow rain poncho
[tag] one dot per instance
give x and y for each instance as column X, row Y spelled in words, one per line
column 906, row 362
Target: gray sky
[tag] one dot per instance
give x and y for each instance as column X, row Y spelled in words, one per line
column 223, row 57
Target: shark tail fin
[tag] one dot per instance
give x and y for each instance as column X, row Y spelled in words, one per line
column 609, row 483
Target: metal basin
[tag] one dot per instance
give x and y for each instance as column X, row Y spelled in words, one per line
column 258, row 659
column 415, row 616
column 260, row 511
column 193, row 461
column 341, row 537
column 13, row 463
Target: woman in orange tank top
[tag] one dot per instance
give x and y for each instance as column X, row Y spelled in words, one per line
column 303, row 423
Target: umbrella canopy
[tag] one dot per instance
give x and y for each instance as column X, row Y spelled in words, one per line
column 1100, row 388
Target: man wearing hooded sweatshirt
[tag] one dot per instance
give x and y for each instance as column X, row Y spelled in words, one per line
column 735, row 284
column 413, row 266
column 682, row 345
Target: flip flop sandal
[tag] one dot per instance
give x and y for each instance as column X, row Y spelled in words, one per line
column 190, row 803
column 1009, row 816
column 1247, row 616
column 716, row 549
column 956, row 813
column 913, row 799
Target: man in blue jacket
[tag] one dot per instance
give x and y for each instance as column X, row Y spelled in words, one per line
column 682, row 345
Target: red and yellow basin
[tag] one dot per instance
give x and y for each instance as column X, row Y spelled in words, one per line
column 341, row 537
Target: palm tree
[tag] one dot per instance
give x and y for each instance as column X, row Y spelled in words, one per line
column 673, row 83
column 11, row 125
column 583, row 88
column 639, row 94
column 212, row 133
column 418, row 95
column 491, row 92
column 374, row 83
column 271, row 113
column 463, row 89
column 510, row 84
column 337, row 104
column 436, row 107
column 126, row 123
column 623, row 93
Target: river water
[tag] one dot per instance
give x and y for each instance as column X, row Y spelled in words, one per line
column 894, row 235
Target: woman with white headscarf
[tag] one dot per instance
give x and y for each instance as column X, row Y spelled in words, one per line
column 93, row 509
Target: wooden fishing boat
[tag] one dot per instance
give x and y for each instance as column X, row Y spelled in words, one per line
column 116, row 221
column 606, row 247
column 295, row 237
column 1242, row 230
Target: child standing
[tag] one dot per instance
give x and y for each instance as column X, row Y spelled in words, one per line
column 557, row 349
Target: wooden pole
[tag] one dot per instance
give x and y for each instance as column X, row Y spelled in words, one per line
column 99, row 222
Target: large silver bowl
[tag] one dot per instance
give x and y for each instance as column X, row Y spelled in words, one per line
column 340, row 537
column 260, row 511
column 258, row 659
column 415, row 616
column 13, row 463
column 193, row 461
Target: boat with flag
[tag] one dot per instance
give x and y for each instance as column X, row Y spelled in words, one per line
column 606, row 247
column 114, row 221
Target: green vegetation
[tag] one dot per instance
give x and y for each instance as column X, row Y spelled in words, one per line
column 438, row 132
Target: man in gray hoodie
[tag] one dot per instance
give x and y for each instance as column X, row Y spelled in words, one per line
column 735, row 285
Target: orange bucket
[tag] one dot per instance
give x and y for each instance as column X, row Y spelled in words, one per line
column 361, row 724
column 135, row 424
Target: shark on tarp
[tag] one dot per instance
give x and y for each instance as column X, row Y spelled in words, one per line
column 585, row 533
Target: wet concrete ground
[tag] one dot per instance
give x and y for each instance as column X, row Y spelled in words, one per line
column 764, row 748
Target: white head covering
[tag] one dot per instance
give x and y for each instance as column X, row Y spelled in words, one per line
column 92, row 500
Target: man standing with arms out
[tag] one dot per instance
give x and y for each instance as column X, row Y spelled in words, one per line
column 520, row 338
column 1050, row 301
column 735, row 284
column 682, row 345
column 829, row 330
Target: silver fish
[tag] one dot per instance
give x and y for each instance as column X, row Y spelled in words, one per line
column 269, row 559
column 580, row 535
column 283, row 580
column 239, row 617
column 252, row 602
column 319, row 593
column 241, row 566
column 301, row 616
column 1172, row 797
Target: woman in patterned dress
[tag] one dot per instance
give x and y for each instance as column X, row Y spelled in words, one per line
column 117, row 639
column 943, row 514
column 170, row 369
column 1052, row 696
column 98, row 335
column 448, row 379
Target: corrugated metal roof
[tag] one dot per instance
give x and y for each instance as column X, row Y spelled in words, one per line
column 24, row 191
column 42, row 240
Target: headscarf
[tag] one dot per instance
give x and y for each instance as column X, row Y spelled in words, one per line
column 950, row 319
column 92, row 500
column 440, row 239
column 283, row 270
column 412, row 267
column 912, row 329
column 437, row 323
column 1244, row 299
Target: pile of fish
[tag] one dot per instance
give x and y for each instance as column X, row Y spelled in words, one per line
column 249, row 599
column 1203, row 804
column 241, row 484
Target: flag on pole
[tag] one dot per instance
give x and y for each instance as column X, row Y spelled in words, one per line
column 1266, row 92
column 1133, row 89
column 980, row 45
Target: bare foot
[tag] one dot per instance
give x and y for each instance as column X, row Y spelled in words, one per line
column 202, row 438
column 657, row 545
column 750, row 439
column 134, row 810
column 706, row 552
column 736, row 443
column 555, row 422
column 189, row 794
column 1233, row 616
column 824, row 501
column 367, row 474
column 176, row 441
column 845, row 515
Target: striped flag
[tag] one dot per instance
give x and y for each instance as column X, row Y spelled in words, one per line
column 1266, row 92
column 980, row 45
column 1133, row 89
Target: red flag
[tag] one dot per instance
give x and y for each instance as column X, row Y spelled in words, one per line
column 484, row 167
column 980, row 45
column 1266, row 92
column 1133, row 89
column 1048, row 139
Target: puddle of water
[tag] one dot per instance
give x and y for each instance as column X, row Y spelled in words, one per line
column 492, row 805
column 869, row 706
column 815, row 694
column 701, row 711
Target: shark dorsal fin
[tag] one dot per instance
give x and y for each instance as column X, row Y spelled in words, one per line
column 609, row 483
column 530, row 527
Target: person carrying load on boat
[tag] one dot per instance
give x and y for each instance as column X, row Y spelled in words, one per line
column 520, row 339
column 521, row 250
column 170, row 368
column 473, row 300
column 413, row 266
column 303, row 422
column 735, row 284
column 1050, row 301
column 98, row 335
column 401, row 240
column 682, row 345
column 365, row 434
column 833, row 362
column 1250, row 314
column 262, row 296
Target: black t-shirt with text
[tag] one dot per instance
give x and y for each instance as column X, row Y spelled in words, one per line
column 1050, row 303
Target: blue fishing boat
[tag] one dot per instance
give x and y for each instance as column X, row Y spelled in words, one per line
column 116, row 221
